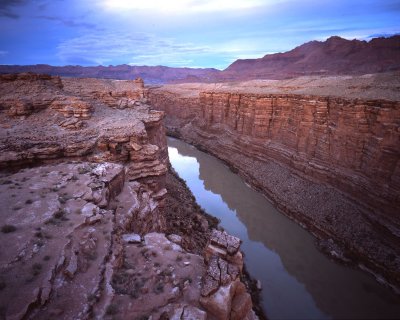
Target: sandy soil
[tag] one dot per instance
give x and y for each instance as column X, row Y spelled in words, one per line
column 371, row 86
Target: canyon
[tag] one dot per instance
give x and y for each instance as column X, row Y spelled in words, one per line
column 324, row 150
column 93, row 223
column 96, row 224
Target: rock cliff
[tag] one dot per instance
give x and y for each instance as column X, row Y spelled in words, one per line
column 84, row 230
column 329, row 162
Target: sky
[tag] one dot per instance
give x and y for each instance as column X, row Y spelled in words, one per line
column 179, row 33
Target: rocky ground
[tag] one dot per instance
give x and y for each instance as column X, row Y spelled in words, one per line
column 92, row 226
column 369, row 86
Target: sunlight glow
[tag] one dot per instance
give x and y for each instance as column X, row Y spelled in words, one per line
column 183, row 5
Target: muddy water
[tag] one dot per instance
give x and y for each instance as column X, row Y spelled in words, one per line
column 298, row 281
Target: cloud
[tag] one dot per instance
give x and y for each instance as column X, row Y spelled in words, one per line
column 68, row 22
column 3, row 53
column 178, row 6
column 7, row 6
column 136, row 48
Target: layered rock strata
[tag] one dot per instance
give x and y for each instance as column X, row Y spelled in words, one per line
column 331, row 163
column 84, row 230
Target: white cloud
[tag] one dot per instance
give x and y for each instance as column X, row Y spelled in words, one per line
column 184, row 5
column 136, row 48
column 3, row 53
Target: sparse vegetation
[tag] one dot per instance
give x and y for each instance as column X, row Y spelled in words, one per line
column 62, row 199
column 29, row 201
column 7, row 228
column 83, row 170
column 36, row 269
column 166, row 273
column 159, row 288
column 59, row 214
column 188, row 279
column 112, row 309
column 46, row 258
column 39, row 234
column 2, row 285
column 58, row 217
column 167, row 247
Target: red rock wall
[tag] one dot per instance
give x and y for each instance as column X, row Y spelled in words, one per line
column 353, row 145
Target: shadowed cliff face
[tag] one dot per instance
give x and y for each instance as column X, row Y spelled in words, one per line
column 332, row 164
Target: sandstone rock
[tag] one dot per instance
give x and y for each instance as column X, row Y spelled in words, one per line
column 190, row 312
column 225, row 240
column 131, row 238
column 219, row 304
column 175, row 238
column 90, row 210
column 72, row 267
column 241, row 306
column 72, row 124
column 160, row 240
column 72, row 107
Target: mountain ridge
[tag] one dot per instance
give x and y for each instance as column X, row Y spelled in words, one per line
column 334, row 56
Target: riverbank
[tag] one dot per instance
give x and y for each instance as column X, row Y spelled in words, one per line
column 187, row 219
column 314, row 206
column 278, row 252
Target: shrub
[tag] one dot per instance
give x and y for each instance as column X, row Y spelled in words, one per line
column 7, row 228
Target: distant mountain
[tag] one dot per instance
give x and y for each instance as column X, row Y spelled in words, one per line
column 335, row 56
column 150, row 74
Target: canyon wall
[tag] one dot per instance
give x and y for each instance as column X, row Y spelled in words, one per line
column 331, row 163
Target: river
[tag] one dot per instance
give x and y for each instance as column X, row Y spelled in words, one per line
column 298, row 281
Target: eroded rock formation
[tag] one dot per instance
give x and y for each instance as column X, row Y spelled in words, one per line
column 84, row 230
column 329, row 162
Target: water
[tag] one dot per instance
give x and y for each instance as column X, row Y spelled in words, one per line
column 298, row 281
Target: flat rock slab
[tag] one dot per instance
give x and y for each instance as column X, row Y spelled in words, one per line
column 156, row 277
column 54, row 238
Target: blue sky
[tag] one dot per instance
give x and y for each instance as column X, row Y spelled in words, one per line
column 179, row 33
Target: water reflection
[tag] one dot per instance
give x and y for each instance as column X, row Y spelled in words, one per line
column 298, row 281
